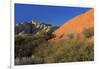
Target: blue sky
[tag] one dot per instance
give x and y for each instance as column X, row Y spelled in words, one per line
column 55, row 15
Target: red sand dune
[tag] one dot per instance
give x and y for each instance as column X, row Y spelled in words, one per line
column 76, row 24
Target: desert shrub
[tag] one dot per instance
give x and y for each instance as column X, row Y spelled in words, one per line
column 64, row 51
column 88, row 32
column 25, row 45
column 22, row 51
column 70, row 36
column 51, row 36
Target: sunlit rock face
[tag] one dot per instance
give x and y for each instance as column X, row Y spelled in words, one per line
column 32, row 27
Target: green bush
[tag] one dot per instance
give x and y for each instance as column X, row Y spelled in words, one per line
column 88, row 32
column 25, row 45
column 71, row 36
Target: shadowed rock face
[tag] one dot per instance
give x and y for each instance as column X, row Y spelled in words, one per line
column 76, row 24
column 32, row 27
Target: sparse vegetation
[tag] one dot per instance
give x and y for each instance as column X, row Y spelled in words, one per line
column 64, row 51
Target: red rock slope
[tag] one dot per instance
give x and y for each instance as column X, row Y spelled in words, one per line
column 76, row 24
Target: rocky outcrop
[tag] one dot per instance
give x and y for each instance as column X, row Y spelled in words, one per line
column 32, row 27
column 43, row 26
